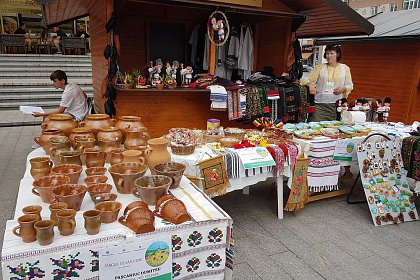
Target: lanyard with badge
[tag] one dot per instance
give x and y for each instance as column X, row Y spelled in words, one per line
column 329, row 86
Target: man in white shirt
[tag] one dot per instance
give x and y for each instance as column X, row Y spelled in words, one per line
column 73, row 101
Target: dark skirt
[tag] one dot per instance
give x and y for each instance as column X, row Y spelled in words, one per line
column 324, row 112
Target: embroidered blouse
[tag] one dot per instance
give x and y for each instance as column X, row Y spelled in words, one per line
column 322, row 74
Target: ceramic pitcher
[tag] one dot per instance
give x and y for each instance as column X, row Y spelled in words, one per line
column 79, row 132
column 95, row 157
column 126, row 122
column 70, row 157
column 110, row 134
column 40, row 167
column 44, row 139
column 133, row 156
column 158, row 153
column 116, row 156
column 136, row 136
column 26, row 229
column 59, row 144
column 66, row 221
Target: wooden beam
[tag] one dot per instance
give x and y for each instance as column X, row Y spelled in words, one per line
column 316, row 197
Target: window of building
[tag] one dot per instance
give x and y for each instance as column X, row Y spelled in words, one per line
column 411, row 4
column 373, row 10
column 392, row 7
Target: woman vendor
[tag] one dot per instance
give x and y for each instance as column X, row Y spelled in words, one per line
column 329, row 82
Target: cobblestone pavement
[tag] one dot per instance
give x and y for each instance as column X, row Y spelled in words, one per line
column 328, row 239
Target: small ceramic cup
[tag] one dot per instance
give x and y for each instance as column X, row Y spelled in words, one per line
column 54, row 208
column 92, row 221
column 45, row 232
column 66, row 221
column 33, row 209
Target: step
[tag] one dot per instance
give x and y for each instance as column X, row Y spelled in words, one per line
column 45, row 58
column 36, row 82
column 48, row 69
column 10, row 64
column 28, row 97
column 43, row 74
column 37, row 90
column 43, row 104
column 16, row 118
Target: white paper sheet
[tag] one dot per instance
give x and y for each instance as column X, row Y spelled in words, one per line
column 29, row 110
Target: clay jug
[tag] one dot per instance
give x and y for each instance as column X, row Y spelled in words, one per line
column 95, row 157
column 136, row 137
column 133, row 156
column 92, row 221
column 44, row 232
column 82, row 143
column 158, row 153
column 40, row 167
column 58, row 145
column 107, row 145
column 79, row 131
column 116, row 156
column 97, row 121
column 70, row 157
column 33, row 209
column 110, row 134
column 126, row 122
column 26, row 228
column 43, row 139
column 63, row 122
column 54, row 208
column 66, row 222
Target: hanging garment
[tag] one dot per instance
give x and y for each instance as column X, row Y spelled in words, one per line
column 206, row 53
column 220, row 61
column 246, row 54
column 234, row 105
column 193, row 42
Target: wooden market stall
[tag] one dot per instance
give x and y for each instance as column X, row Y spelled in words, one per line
column 272, row 23
column 387, row 63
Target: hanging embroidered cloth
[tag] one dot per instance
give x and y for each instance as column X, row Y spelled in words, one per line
column 299, row 191
column 410, row 152
column 234, row 105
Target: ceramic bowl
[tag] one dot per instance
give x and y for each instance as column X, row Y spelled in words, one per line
column 150, row 188
column 172, row 209
column 91, row 171
column 124, row 174
column 95, row 179
column 95, row 189
column 43, row 187
column 72, row 194
column 109, row 211
column 138, row 217
column 173, row 170
column 71, row 170
column 101, row 197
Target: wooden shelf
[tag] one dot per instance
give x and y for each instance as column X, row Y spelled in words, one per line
column 165, row 90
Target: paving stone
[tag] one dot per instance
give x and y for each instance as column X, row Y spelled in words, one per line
column 295, row 267
column 243, row 271
column 385, row 269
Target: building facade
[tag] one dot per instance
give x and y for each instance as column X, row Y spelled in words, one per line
column 368, row 8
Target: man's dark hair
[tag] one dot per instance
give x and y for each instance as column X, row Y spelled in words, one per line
column 359, row 100
column 387, row 100
column 58, row 74
column 335, row 48
column 343, row 99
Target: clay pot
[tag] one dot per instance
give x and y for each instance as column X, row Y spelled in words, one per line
column 79, row 132
column 54, row 208
column 124, row 175
column 97, row 121
column 92, row 171
column 66, row 221
column 110, row 134
column 172, row 209
column 133, row 156
column 44, row 232
column 158, row 154
column 136, row 136
column 40, row 167
column 26, row 228
column 70, row 157
column 101, row 197
column 73, row 171
column 44, row 186
column 150, row 188
column 109, row 211
column 173, row 170
column 95, row 157
column 63, row 122
column 116, row 156
column 98, row 188
column 33, row 209
column 126, row 122
column 95, row 179
column 108, row 145
column 92, row 221
column 72, row 194
column 138, row 217
column 44, row 139
column 58, row 145
column 83, row 142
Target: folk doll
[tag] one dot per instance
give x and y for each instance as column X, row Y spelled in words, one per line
column 188, row 75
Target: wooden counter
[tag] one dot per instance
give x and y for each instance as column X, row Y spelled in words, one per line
column 163, row 109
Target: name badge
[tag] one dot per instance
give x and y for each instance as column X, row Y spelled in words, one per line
column 329, row 87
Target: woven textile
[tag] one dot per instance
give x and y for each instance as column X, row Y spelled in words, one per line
column 253, row 103
column 323, row 171
column 299, row 191
column 410, row 152
column 234, row 105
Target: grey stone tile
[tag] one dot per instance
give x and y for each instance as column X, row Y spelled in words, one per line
column 385, row 269
column 311, row 256
column 243, row 271
column 294, row 266
column 333, row 253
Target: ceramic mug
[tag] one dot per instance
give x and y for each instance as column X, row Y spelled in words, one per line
column 33, row 209
column 54, row 208
column 45, row 232
column 66, row 221
column 92, row 221
column 26, row 228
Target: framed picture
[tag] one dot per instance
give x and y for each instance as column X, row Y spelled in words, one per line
column 9, row 23
column 213, row 172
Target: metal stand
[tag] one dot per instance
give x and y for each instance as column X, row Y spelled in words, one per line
column 358, row 174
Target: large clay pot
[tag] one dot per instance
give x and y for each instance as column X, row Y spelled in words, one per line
column 158, row 153
column 71, row 170
column 174, row 170
column 44, row 139
column 63, row 122
column 126, row 122
column 172, row 209
column 45, row 232
column 66, row 221
column 95, row 157
column 58, row 145
column 44, row 186
column 40, row 167
column 133, row 156
column 116, row 156
column 72, row 194
column 107, row 145
column 138, row 217
column 110, row 134
column 136, row 137
column 26, row 228
column 79, row 131
column 150, row 188
column 70, row 157
column 124, row 175
column 97, row 121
